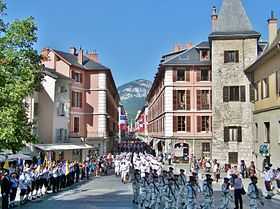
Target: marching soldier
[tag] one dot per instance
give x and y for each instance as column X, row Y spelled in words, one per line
column 254, row 194
column 136, row 186
column 170, row 195
column 189, row 194
column 156, row 199
column 208, row 192
column 226, row 196
column 182, row 180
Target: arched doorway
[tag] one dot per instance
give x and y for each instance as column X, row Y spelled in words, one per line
column 181, row 152
column 160, row 146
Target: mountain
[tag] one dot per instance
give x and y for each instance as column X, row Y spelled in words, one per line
column 133, row 96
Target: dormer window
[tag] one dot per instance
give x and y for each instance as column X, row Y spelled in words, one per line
column 204, row 55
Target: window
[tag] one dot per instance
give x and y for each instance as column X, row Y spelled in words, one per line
column 76, row 99
column 204, row 74
column 181, row 100
column 36, row 109
column 265, row 88
column 234, row 94
column 61, row 134
column 203, row 123
column 233, row 134
column 182, row 123
column 204, row 55
column 231, row 56
column 267, row 132
column 77, row 76
column 206, row 147
column 203, row 99
column 181, row 74
column 233, row 157
column 76, row 125
column 278, row 83
column 61, row 109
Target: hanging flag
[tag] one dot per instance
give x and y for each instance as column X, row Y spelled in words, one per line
column 6, row 165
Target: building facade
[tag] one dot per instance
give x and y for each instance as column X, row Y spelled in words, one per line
column 141, row 125
column 179, row 104
column 264, row 75
column 234, row 46
column 94, row 97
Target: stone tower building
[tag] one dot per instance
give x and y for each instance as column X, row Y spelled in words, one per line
column 234, row 46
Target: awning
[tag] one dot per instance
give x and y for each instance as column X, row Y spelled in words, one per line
column 61, row 147
column 19, row 156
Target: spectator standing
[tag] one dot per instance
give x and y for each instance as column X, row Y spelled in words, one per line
column 5, row 189
column 243, row 169
column 238, row 191
column 252, row 169
column 217, row 171
column 277, row 178
column 268, row 178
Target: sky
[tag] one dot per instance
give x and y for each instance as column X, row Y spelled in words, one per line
column 130, row 36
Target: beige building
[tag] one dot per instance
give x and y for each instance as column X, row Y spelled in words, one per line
column 264, row 75
column 235, row 46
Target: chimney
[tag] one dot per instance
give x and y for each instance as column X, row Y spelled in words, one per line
column 93, row 56
column 81, row 56
column 189, row 45
column 214, row 19
column 180, row 47
column 272, row 28
column 73, row 50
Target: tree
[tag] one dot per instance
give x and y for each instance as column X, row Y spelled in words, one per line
column 20, row 76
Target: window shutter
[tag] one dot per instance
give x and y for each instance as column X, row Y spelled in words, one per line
column 252, row 93
column 174, row 75
column 187, row 75
column 188, row 124
column 198, row 99
column 175, row 100
column 73, row 99
column 188, row 99
column 278, row 82
column 226, row 94
column 81, row 99
column 199, row 123
column 262, row 89
column 239, row 134
column 243, row 93
column 175, row 123
column 237, row 56
column 198, row 75
column 81, row 78
column 226, row 134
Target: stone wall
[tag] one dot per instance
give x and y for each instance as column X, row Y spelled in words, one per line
column 232, row 113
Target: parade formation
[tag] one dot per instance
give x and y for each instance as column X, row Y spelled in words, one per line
column 157, row 187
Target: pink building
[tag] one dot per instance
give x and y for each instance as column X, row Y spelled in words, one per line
column 179, row 103
column 94, row 97
column 141, row 126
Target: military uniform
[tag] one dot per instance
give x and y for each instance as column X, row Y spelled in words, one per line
column 169, row 196
column 226, row 196
column 207, row 194
column 254, row 194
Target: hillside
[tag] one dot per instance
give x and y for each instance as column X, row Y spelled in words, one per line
column 133, row 95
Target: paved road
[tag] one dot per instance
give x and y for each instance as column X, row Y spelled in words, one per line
column 105, row 193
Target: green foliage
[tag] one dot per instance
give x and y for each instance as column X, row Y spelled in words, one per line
column 20, row 75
